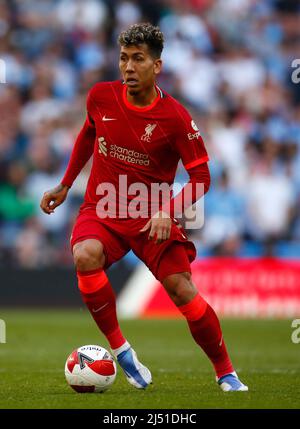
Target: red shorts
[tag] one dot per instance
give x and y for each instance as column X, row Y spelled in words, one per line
column 118, row 236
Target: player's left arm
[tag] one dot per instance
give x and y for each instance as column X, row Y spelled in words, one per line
column 160, row 224
column 192, row 151
column 197, row 186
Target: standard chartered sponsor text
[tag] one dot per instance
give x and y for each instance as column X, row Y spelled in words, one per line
column 129, row 155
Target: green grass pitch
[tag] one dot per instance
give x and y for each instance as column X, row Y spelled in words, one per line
column 38, row 343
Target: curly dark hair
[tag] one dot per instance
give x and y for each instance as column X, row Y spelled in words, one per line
column 147, row 33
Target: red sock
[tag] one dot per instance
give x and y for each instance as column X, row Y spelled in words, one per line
column 206, row 331
column 99, row 297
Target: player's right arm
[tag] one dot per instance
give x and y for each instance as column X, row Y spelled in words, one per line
column 81, row 153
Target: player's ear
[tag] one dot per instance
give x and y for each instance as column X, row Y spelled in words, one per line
column 157, row 66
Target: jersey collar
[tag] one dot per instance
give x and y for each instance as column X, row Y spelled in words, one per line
column 146, row 108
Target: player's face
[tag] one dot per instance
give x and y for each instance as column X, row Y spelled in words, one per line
column 139, row 69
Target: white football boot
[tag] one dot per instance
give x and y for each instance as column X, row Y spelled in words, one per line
column 231, row 383
column 136, row 373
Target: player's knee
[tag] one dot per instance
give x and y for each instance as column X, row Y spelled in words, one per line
column 180, row 288
column 88, row 255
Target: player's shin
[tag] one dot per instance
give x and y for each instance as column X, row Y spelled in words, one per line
column 98, row 295
column 206, row 331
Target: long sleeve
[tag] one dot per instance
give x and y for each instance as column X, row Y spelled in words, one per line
column 197, row 186
column 81, row 153
column 191, row 148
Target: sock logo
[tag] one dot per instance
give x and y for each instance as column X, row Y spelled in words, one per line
column 100, row 308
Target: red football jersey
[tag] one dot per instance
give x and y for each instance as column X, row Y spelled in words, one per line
column 142, row 144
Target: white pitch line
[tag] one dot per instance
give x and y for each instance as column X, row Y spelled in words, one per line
column 137, row 292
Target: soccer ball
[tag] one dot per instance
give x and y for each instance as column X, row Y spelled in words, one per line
column 90, row 369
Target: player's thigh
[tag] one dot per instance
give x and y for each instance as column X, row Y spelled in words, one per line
column 104, row 242
column 170, row 257
column 172, row 264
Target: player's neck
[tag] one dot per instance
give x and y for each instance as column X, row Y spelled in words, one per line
column 143, row 98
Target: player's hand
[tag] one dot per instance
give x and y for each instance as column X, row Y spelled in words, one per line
column 160, row 225
column 53, row 198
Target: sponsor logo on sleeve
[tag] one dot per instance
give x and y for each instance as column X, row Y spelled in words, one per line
column 196, row 135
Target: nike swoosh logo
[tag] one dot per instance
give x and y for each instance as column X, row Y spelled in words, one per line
column 108, row 119
column 100, row 308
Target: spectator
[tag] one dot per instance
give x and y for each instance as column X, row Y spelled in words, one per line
column 229, row 62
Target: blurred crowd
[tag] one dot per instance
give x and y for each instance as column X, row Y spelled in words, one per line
column 229, row 62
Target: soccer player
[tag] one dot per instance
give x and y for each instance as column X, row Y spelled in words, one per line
column 138, row 133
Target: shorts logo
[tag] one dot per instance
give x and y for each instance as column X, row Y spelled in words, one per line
column 102, row 146
column 148, row 132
